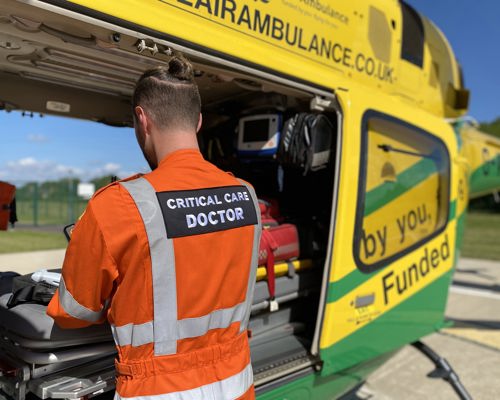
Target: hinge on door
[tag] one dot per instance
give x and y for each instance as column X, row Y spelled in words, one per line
column 319, row 103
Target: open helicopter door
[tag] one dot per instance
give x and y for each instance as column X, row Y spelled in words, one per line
column 395, row 231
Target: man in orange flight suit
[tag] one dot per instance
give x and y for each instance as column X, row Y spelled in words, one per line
column 168, row 258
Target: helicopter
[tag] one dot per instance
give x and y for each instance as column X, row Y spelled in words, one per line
column 380, row 217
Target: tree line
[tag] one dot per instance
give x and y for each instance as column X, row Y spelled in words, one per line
column 491, row 127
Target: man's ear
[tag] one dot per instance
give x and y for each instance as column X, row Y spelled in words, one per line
column 200, row 120
column 142, row 119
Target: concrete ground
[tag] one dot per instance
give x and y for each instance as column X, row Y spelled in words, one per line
column 24, row 263
column 471, row 346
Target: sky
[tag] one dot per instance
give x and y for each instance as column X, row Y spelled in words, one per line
column 49, row 148
column 473, row 31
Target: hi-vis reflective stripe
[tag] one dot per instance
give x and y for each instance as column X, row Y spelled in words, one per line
column 227, row 389
column 75, row 309
column 255, row 258
column 166, row 329
column 163, row 266
column 137, row 335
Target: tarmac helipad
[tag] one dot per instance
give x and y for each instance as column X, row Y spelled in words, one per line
column 472, row 345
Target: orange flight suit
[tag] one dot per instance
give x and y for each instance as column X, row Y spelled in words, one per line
column 169, row 259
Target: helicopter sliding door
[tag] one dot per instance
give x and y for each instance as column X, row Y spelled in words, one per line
column 394, row 244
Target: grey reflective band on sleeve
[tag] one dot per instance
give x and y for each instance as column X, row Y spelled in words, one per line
column 162, row 266
column 255, row 259
column 227, row 389
column 75, row 309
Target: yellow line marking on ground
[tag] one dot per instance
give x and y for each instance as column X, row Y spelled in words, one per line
column 488, row 337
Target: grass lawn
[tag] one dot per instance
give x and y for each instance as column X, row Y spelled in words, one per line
column 49, row 212
column 482, row 236
column 21, row 240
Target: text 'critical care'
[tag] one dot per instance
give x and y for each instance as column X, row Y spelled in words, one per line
column 201, row 211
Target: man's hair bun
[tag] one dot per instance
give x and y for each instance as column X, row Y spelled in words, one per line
column 181, row 69
column 169, row 94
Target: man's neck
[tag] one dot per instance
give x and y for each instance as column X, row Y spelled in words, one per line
column 168, row 142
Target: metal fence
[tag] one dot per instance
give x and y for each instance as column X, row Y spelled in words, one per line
column 48, row 203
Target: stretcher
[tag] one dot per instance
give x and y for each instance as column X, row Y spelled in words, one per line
column 38, row 357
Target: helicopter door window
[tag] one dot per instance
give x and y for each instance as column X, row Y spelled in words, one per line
column 403, row 195
column 412, row 44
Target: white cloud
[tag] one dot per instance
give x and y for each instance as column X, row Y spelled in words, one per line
column 111, row 168
column 37, row 138
column 22, row 163
column 30, row 169
column 105, row 169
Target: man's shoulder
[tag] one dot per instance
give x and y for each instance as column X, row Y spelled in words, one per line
column 113, row 186
column 238, row 181
column 111, row 192
column 227, row 177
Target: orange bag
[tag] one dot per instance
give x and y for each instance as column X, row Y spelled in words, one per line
column 7, row 192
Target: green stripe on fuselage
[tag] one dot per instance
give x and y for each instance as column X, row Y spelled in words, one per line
column 406, row 180
column 338, row 289
column 453, row 210
column 415, row 317
column 486, row 178
column 375, row 199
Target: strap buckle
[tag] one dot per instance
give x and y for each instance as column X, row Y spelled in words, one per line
column 134, row 370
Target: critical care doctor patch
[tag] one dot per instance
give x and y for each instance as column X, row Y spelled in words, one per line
column 193, row 212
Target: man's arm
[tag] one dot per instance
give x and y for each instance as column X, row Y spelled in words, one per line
column 88, row 275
